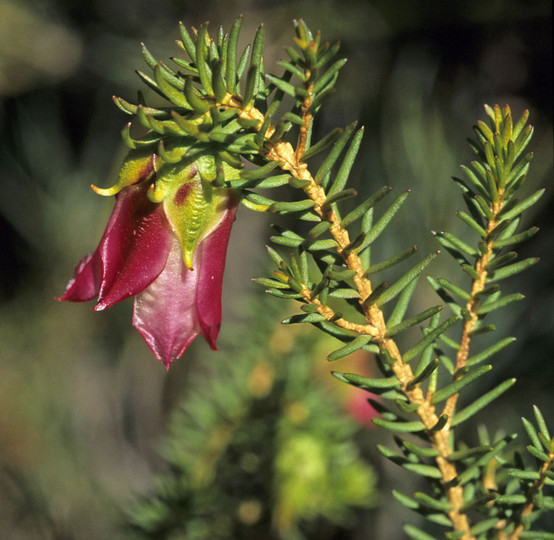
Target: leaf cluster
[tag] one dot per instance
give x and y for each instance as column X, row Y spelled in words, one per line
column 223, row 102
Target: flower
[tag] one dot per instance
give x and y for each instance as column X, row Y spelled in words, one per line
column 165, row 244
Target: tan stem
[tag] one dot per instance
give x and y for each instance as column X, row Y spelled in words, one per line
column 376, row 327
column 291, row 160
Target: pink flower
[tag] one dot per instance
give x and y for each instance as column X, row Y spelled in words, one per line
column 165, row 244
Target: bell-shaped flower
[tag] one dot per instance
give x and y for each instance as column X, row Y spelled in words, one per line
column 165, row 244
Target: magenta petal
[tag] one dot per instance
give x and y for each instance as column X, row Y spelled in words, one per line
column 85, row 283
column 212, row 254
column 165, row 313
column 135, row 246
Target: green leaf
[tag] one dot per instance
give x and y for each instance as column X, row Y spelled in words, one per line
column 256, row 58
column 349, row 348
column 220, row 90
column 489, row 351
column 452, row 304
column 481, row 402
column 454, row 245
column 280, row 130
column 286, row 207
column 429, row 338
column 410, row 503
column 293, row 69
column 175, row 96
column 499, row 230
column 458, row 291
column 358, row 212
column 419, row 451
column 250, row 85
column 308, row 318
column 347, row 163
column 266, row 282
column 204, row 71
column 484, row 526
column 539, row 454
column 402, row 304
column 496, row 262
column 540, row 422
column 231, row 64
column 468, row 220
column 282, row 85
column 399, row 285
column 473, row 470
column 280, row 294
column 518, row 171
column 345, row 293
column 416, row 534
column 516, row 239
column 342, row 334
column 522, row 206
column 327, row 55
column 511, row 499
column 385, row 219
column 337, row 197
column 530, row 429
column 330, row 74
column 335, row 152
column 474, row 181
column 275, row 257
column 508, row 271
column 401, row 427
column 368, row 383
column 484, row 329
column 423, row 470
column 524, row 475
column 188, row 43
column 321, row 145
column 150, row 83
column 319, row 229
column 458, row 385
column 193, row 97
column 405, row 406
column 502, row 302
column 260, row 172
column 285, row 241
column 321, row 245
column 391, row 261
column 424, row 375
column 461, row 455
column 483, row 206
column 377, row 292
column 470, row 271
column 243, row 62
column 412, row 321
column 340, row 275
column 523, row 140
column 431, row 502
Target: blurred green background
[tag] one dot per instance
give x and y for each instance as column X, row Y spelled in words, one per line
column 83, row 404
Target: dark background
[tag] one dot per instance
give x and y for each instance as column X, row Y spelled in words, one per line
column 82, row 402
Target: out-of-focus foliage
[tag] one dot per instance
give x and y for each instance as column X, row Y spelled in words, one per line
column 82, row 407
column 258, row 448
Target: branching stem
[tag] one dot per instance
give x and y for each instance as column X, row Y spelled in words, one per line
column 534, row 489
column 291, row 160
column 473, row 303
